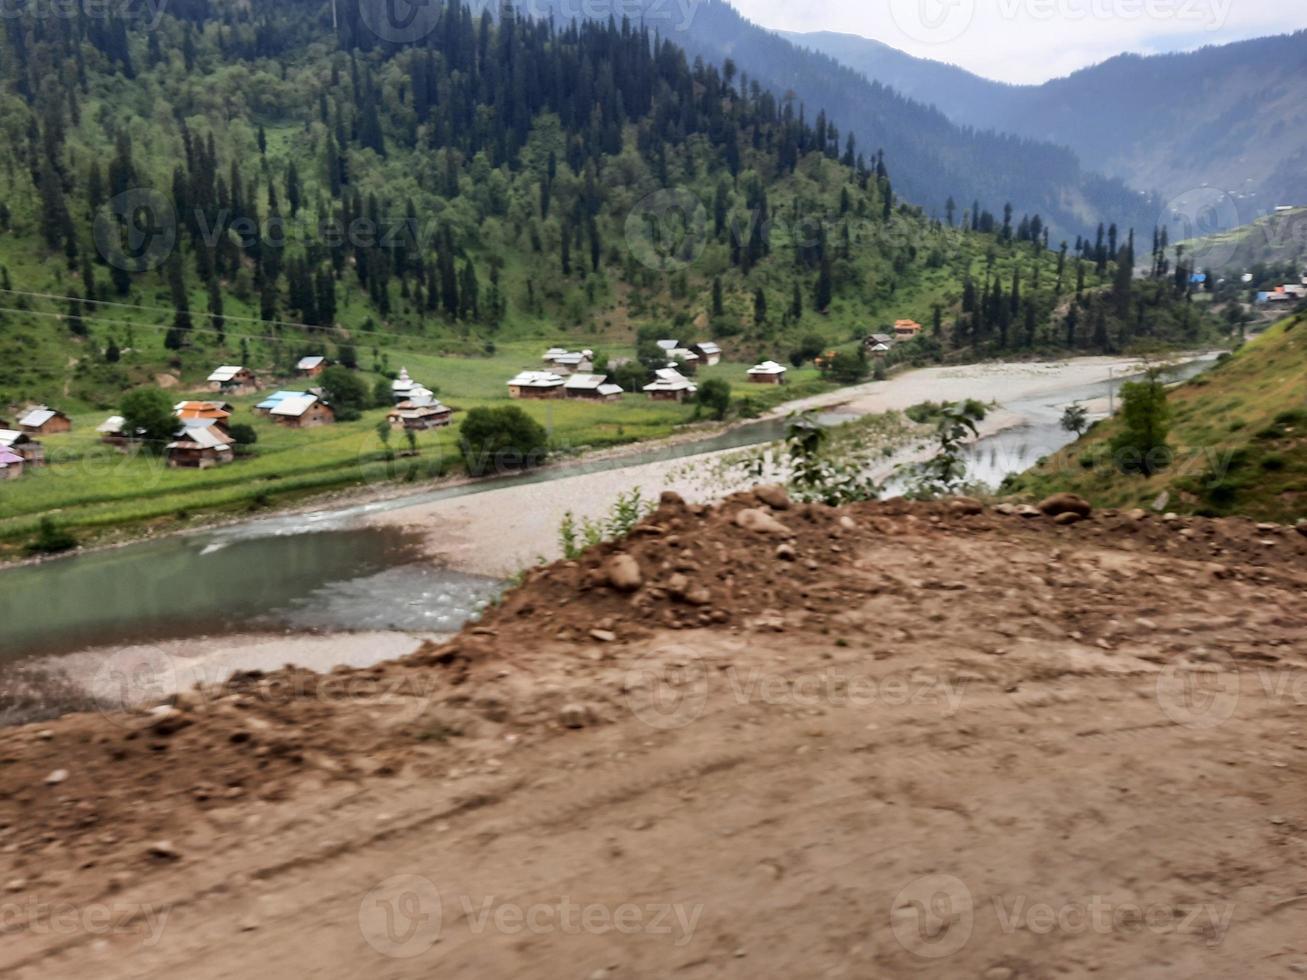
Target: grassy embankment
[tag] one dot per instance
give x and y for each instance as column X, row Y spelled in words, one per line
column 1239, row 433
column 91, row 489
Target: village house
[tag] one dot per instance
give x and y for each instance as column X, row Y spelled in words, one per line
column 768, row 373
column 111, row 431
column 218, row 411
column 670, row 385
column 45, row 421
column 310, row 367
column 419, row 414
column 683, row 359
column 404, row 388
column 536, row 384
column 709, row 353
column 202, row 444
column 233, row 380
column 592, row 387
column 669, row 345
column 266, row 406
column 907, row 329
column 878, row 340
column 11, row 464
column 566, row 362
column 305, row 411
column 21, row 444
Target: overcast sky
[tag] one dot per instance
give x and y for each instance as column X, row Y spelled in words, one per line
column 1033, row 40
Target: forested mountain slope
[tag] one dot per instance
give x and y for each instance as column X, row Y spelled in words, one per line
column 239, row 182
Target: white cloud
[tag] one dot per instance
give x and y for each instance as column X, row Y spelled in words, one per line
column 1033, row 40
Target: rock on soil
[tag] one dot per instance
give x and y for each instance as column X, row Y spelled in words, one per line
column 624, row 573
column 967, row 506
column 774, row 496
column 1066, row 503
column 760, row 522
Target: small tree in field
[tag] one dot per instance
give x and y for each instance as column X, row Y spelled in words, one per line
column 148, row 415
column 1075, row 419
column 1141, row 447
column 714, row 397
column 501, row 438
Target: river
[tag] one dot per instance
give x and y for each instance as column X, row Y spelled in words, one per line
column 358, row 568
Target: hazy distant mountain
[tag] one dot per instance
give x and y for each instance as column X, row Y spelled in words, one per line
column 1233, row 117
column 930, row 157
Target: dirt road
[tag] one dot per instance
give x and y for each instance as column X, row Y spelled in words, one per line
column 893, row 741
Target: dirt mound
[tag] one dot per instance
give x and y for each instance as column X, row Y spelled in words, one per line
column 96, row 801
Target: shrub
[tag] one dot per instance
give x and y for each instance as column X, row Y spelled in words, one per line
column 345, row 392
column 148, row 415
column 715, row 397
column 51, row 539
column 502, row 438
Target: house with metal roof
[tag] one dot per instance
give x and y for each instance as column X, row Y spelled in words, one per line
column 112, row 431
column 569, row 362
column 768, row 373
column 222, row 411
column 23, row 445
column 683, row 359
column 536, row 384
column 202, row 444
column 310, row 367
column 304, row 411
column 45, row 421
column 266, row 406
column 404, row 388
column 11, row 464
column 592, row 387
column 420, row 414
column 670, row 385
column 233, row 379
column 709, row 353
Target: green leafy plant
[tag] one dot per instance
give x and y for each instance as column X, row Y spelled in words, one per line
column 946, row 472
column 627, row 511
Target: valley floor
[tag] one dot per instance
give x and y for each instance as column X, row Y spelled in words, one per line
column 931, row 744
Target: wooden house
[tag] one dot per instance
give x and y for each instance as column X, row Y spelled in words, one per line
column 310, row 367
column 536, row 384
column 768, row 373
column 709, row 353
column 21, row 444
column 233, row 380
column 592, row 387
column 302, row 412
column 202, row 444
column 907, row 329
column 420, row 414
column 669, row 385
column 11, row 464
column 45, row 421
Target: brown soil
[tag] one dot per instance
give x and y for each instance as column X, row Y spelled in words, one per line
column 890, row 740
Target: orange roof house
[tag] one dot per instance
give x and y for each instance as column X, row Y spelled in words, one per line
column 907, row 329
